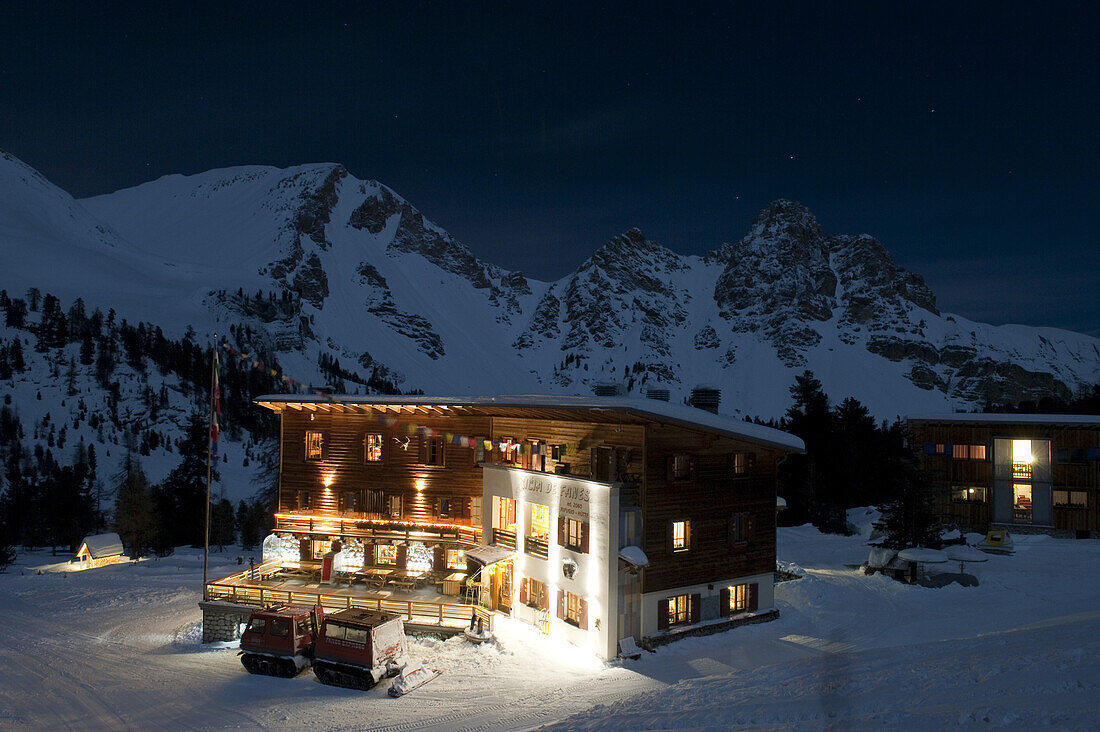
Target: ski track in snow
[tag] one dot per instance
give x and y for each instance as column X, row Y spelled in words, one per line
column 117, row 648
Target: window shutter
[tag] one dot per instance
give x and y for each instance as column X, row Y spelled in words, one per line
column 662, row 614
column 754, row 600
column 370, row 552
column 561, row 531
column 696, row 601
column 465, row 505
column 929, row 448
column 511, row 512
column 402, row 556
column 561, row 604
column 523, row 591
column 687, row 535
column 670, row 468
column 305, row 550
column 724, row 602
column 584, row 614
column 439, row 559
column 584, row 537
column 670, row 536
column 748, row 526
column 545, row 598
column 436, row 506
column 594, row 463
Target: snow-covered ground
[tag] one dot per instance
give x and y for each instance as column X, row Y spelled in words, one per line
column 117, row 648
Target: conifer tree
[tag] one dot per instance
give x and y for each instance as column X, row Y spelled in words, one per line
column 135, row 518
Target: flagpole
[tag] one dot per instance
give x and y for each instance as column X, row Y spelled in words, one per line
column 209, row 449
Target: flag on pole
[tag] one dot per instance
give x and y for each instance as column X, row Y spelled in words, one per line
column 216, row 403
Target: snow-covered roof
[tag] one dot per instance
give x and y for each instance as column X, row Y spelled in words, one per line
column 490, row 554
column 634, row 555
column 103, row 545
column 1090, row 419
column 650, row 409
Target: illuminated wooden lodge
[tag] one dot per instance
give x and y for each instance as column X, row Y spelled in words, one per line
column 1022, row 472
column 594, row 518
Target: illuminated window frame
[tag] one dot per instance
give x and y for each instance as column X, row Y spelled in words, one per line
column 572, row 608
column 679, row 610
column 739, row 598
column 681, row 536
column 314, row 445
column 372, row 447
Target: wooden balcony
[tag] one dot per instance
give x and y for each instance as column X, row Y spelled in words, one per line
column 536, row 546
column 367, row 525
column 504, row 538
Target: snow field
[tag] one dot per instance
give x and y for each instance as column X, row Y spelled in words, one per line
column 117, row 648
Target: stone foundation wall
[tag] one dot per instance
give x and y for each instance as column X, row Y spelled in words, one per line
column 221, row 621
column 652, row 642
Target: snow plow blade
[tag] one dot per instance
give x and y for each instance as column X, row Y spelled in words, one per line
column 411, row 679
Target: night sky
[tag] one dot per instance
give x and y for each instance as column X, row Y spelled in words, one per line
column 963, row 137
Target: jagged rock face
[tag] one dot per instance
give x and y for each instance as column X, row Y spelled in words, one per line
column 875, row 287
column 778, row 279
column 380, row 303
column 621, row 286
column 316, row 209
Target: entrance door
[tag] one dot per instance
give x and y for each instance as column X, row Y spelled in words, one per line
column 305, row 550
column 501, row 587
column 1021, row 504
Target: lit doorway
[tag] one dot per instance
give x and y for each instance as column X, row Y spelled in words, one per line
column 1021, row 503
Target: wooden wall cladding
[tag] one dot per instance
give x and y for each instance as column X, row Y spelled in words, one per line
column 944, row 471
column 708, row 497
column 399, row 471
column 581, row 437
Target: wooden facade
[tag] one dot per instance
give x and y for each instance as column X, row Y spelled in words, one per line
column 965, row 484
column 390, row 470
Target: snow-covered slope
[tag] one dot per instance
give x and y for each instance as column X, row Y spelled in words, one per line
column 359, row 275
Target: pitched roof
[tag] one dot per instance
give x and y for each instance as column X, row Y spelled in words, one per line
column 103, row 545
column 993, row 418
column 649, row 410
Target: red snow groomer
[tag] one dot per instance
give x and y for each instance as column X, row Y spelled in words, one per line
column 357, row 648
column 279, row 641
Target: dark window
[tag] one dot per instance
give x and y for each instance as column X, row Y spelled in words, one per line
column 431, row 451
column 303, row 627
column 373, row 501
column 739, row 528
column 349, row 501
column 257, row 625
column 681, row 467
column 302, row 500
column 280, row 626
column 445, row 507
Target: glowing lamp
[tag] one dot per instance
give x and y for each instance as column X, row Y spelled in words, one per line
column 326, row 481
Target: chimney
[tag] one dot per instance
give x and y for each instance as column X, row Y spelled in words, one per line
column 706, row 397
column 658, row 394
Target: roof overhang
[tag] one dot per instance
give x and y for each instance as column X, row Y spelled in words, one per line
column 621, row 410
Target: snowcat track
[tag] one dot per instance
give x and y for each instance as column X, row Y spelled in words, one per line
column 269, row 666
column 349, row 677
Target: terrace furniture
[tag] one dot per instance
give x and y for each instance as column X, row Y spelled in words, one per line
column 452, row 583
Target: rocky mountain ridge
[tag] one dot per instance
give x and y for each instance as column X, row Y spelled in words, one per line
column 354, row 273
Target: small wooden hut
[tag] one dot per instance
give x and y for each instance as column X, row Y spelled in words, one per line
column 99, row 550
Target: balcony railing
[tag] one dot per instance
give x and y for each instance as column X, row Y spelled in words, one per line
column 1021, row 469
column 536, row 546
column 348, row 523
column 504, row 538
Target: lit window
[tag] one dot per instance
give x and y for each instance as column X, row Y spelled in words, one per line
column 739, row 598
column 681, row 535
column 372, row 448
column 1070, row 499
column 475, row 511
column 1021, row 458
column 679, row 610
column 977, row 452
column 573, row 532
column 313, row 445
column 387, row 554
column 960, row 452
column 456, row 559
column 393, row 505
column 572, row 608
column 968, row 494
column 539, row 525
